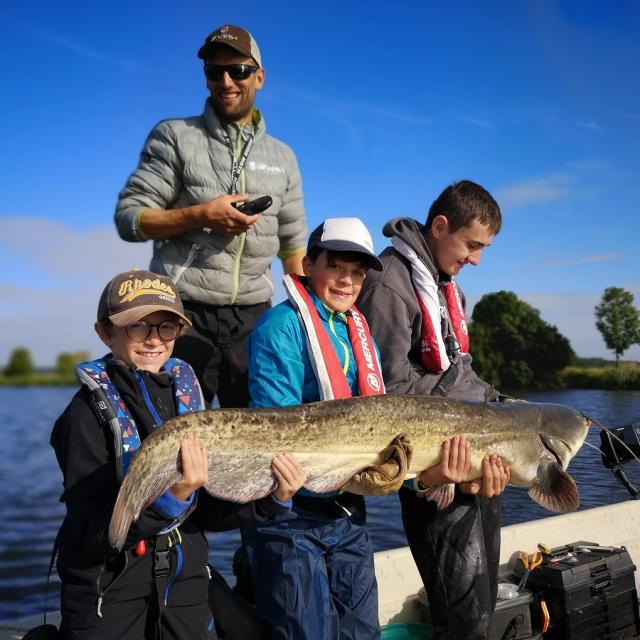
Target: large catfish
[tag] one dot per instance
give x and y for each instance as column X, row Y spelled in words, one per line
column 366, row 445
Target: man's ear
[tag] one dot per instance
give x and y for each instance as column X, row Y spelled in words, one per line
column 103, row 333
column 439, row 226
column 259, row 78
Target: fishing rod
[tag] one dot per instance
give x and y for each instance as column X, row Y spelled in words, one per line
column 619, row 446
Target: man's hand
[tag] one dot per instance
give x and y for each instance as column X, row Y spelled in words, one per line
column 195, row 468
column 454, row 466
column 289, row 474
column 219, row 216
column 495, row 477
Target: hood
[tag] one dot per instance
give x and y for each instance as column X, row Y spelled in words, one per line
column 412, row 232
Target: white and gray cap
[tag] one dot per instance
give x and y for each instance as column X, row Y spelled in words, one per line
column 237, row 38
column 345, row 234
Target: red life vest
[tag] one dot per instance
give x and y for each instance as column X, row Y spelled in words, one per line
column 332, row 381
column 433, row 352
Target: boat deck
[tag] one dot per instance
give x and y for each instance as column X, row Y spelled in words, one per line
column 399, row 581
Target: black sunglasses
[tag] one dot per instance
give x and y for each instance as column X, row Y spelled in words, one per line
column 140, row 331
column 235, row 71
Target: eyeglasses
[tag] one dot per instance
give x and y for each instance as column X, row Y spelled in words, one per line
column 235, row 71
column 140, row 331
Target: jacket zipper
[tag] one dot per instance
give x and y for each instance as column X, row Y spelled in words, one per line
column 345, row 366
column 178, row 571
column 147, row 400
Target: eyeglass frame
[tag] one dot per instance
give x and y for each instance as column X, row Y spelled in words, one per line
column 150, row 327
column 228, row 68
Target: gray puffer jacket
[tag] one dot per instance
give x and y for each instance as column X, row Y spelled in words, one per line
column 186, row 162
column 388, row 301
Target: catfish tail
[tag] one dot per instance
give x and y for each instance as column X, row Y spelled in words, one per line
column 139, row 489
column 121, row 518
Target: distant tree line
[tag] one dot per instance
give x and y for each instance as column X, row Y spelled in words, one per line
column 20, row 364
column 512, row 346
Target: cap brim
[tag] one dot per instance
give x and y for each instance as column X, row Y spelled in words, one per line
column 133, row 315
column 352, row 247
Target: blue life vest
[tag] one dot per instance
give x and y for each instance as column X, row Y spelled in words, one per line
column 110, row 407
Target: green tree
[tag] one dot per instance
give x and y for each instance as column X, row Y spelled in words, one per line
column 20, row 363
column 513, row 347
column 618, row 320
column 66, row 362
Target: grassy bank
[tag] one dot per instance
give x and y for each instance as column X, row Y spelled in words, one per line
column 39, row 380
column 625, row 377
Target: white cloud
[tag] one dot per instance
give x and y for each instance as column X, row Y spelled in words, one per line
column 52, row 248
column 62, row 41
column 340, row 110
column 563, row 261
column 478, row 122
column 49, row 305
column 533, row 191
column 591, row 125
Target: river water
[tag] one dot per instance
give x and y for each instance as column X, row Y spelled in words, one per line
column 31, row 485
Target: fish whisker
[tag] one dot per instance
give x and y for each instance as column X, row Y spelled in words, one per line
column 592, row 446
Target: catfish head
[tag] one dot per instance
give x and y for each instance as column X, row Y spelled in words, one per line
column 562, row 431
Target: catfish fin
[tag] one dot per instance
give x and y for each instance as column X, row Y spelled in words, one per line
column 380, row 479
column 240, row 477
column 328, row 482
column 442, row 495
column 554, row 489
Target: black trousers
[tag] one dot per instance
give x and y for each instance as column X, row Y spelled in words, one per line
column 457, row 552
column 138, row 619
column 215, row 348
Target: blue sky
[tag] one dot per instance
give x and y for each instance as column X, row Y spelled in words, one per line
column 384, row 104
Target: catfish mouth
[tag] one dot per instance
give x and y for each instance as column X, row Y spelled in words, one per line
column 550, row 444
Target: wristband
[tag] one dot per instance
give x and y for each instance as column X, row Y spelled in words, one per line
column 418, row 487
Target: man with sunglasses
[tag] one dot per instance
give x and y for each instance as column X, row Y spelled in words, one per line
column 191, row 173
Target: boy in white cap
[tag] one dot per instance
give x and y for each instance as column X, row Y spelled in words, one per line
column 312, row 569
column 157, row 586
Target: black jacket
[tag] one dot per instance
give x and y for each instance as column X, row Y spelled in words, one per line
column 87, row 565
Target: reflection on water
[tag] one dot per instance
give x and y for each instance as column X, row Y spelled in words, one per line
column 32, row 484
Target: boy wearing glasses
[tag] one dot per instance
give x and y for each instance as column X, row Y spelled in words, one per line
column 191, row 172
column 312, row 569
column 158, row 585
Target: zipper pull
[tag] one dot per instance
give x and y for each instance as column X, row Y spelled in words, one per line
column 206, row 567
column 343, row 508
column 141, row 548
column 100, row 606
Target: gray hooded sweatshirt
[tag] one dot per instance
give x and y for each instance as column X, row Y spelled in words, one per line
column 388, row 301
column 188, row 161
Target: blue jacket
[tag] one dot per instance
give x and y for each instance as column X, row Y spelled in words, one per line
column 280, row 372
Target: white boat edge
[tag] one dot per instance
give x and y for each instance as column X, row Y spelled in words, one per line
column 399, row 581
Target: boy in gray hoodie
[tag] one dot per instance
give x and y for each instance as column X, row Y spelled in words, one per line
column 416, row 315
